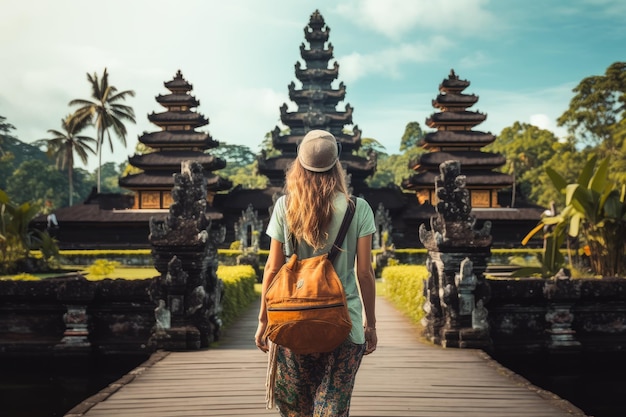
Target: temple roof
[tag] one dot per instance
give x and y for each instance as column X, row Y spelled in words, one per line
column 178, row 117
column 425, row 211
column 313, row 31
column 93, row 214
column 316, row 118
column 275, row 167
column 173, row 160
column 308, row 75
column 238, row 199
column 316, row 54
column 177, row 100
column 458, row 137
column 468, row 159
column 392, row 198
column 454, row 100
column 456, row 118
column 323, row 95
column 474, row 179
column 178, row 84
column 453, row 83
column 289, row 143
column 164, row 180
column 177, row 138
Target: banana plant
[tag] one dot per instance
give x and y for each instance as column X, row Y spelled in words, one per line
column 595, row 212
column 17, row 238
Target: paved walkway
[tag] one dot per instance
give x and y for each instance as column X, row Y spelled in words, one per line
column 404, row 377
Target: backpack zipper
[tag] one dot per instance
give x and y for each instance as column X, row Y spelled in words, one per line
column 305, row 308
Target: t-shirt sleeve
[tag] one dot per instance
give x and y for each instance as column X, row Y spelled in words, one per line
column 365, row 216
column 276, row 226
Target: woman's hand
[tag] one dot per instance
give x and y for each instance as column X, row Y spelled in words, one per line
column 259, row 337
column 371, row 340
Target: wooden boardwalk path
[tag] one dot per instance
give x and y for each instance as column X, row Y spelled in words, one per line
column 404, row 377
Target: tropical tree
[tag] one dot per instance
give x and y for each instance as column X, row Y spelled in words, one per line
column 392, row 169
column 595, row 210
column 18, row 238
column 528, row 150
column 65, row 143
column 412, row 136
column 106, row 112
column 596, row 116
column 5, row 128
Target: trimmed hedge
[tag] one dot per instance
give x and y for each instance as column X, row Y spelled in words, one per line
column 239, row 291
column 403, row 285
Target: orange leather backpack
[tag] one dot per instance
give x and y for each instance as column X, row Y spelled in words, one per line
column 307, row 310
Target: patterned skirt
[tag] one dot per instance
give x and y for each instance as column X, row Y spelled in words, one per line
column 318, row 384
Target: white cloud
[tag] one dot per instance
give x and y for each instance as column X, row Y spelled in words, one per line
column 389, row 62
column 395, row 18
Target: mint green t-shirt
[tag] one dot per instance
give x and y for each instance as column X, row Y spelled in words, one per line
column 362, row 225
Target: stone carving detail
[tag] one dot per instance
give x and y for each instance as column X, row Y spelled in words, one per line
column 453, row 225
column 562, row 294
column 76, row 294
column 457, row 259
column 248, row 228
column 465, row 281
column 382, row 239
column 382, row 236
column 188, row 292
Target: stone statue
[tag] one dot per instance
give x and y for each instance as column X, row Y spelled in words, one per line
column 163, row 317
column 479, row 317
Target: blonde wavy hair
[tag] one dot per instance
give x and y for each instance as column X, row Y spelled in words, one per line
column 310, row 201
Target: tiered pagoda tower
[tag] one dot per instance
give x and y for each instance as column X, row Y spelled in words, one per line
column 316, row 102
column 455, row 139
column 177, row 141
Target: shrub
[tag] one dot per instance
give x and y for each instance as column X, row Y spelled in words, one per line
column 22, row 277
column 404, row 287
column 101, row 267
column 239, row 291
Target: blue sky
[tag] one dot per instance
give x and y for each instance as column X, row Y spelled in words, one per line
column 522, row 57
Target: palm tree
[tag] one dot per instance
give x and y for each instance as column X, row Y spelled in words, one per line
column 64, row 144
column 105, row 111
column 5, row 127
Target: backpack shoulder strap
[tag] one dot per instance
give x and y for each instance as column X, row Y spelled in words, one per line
column 343, row 229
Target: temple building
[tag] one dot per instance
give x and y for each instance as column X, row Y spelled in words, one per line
column 491, row 192
column 122, row 220
column 316, row 103
column 177, row 141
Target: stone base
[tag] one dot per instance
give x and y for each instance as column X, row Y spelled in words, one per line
column 177, row 339
column 466, row 338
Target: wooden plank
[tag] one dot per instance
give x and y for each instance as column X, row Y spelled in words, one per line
column 405, row 377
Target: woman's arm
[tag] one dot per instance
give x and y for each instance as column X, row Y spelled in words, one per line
column 367, row 284
column 275, row 260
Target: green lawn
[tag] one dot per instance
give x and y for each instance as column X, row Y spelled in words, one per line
column 129, row 273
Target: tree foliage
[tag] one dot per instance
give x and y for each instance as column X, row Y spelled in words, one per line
column 64, row 144
column 528, row 150
column 18, row 238
column 106, row 112
column 596, row 114
column 392, row 169
column 595, row 211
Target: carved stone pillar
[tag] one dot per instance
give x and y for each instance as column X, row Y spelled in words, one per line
column 562, row 294
column 76, row 294
column 188, row 292
column 457, row 259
